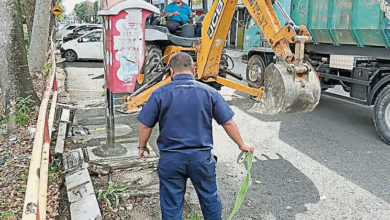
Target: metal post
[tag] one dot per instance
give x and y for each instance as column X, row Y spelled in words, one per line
column 110, row 149
column 110, row 124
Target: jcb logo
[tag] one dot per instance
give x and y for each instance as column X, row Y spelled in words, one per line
column 215, row 19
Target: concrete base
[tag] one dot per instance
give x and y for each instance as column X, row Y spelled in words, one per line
column 99, row 132
column 132, row 153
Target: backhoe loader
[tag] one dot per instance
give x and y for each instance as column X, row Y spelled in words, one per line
column 290, row 84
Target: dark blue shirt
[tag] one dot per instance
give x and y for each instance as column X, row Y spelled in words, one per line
column 184, row 12
column 184, row 110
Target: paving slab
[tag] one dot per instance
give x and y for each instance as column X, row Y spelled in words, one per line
column 85, row 209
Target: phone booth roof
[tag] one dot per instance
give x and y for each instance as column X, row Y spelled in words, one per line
column 128, row 4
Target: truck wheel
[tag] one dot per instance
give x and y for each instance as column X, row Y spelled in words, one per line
column 382, row 114
column 151, row 63
column 70, row 55
column 255, row 70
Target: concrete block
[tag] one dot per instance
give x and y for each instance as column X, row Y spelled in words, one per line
column 65, row 115
column 74, row 160
column 85, row 209
column 79, row 185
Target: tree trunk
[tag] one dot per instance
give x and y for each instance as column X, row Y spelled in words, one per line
column 40, row 35
column 28, row 7
column 15, row 78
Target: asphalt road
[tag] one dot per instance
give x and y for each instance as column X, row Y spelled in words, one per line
column 328, row 164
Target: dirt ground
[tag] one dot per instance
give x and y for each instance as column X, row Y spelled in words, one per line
column 15, row 152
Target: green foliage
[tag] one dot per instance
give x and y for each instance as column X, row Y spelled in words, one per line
column 54, row 171
column 111, row 194
column 47, row 67
column 5, row 215
column 24, row 108
column 85, row 10
column 62, row 16
column 193, row 216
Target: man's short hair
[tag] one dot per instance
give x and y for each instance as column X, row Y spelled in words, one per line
column 181, row 62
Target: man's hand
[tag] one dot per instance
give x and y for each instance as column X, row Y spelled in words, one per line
column 142, row 152
column 176, row 13
column 144, row 134
column 247, row 148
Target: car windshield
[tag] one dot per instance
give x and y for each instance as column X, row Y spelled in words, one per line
column 93, row 37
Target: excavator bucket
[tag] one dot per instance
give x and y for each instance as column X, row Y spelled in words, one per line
column 285, row 93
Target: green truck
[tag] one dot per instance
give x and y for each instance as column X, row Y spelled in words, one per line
column 351, row 40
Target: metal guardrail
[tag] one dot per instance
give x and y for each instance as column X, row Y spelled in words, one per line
column 36, row 191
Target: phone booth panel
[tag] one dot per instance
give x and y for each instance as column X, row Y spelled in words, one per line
column 124, row 27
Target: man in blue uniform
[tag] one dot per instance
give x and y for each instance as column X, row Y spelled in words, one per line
column 177, row 13
column 184, row 110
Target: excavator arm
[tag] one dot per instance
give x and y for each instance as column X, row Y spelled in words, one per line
column 290, row 85
column 216, row 25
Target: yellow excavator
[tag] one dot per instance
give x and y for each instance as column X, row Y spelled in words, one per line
column 290, row 84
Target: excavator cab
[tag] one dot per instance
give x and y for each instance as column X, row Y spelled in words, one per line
column 290, row 84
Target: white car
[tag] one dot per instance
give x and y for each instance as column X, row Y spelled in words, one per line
column 87, row 47
column 63, row 31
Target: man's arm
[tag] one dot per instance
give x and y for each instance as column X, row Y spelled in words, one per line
column 171, row 14
column 231, row 129
column 148, row 118
column 143, row 137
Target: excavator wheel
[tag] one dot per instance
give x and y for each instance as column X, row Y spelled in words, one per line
column 255, row 70
column 152, row 62
column 284, row 94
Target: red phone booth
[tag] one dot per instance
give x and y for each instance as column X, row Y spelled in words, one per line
column 124, row 26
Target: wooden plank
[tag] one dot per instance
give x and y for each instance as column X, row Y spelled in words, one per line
column 44, row 176
column 30, row 207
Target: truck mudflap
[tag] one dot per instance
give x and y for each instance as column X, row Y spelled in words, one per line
column 285, row 93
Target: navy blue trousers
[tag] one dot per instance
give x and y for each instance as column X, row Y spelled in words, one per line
column 174, row 169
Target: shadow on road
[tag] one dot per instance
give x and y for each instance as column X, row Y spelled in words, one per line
column 283, row 191
column 338, row 135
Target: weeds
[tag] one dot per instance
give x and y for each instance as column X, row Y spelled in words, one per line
column 193, row 216
column 47, row 67
column 24, row 106
column 54, row 171
column 5, row 215
column 111, row 193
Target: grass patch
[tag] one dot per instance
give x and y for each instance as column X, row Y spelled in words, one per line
column 55, row 171
column 194, row 216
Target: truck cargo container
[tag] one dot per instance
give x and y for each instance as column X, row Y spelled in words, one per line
column 351, row 40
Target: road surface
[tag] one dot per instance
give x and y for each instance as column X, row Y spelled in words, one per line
column 328, row 164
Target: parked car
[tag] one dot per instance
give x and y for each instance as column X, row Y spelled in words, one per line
column 81, row 30
column 65, row 30
column 88, row 47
